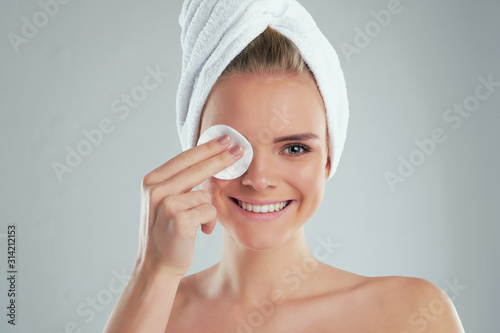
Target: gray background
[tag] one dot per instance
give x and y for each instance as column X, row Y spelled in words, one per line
column 74, row 235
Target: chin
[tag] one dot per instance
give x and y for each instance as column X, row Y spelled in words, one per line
column 257, row 241
column 258, row 236
column 260, row 243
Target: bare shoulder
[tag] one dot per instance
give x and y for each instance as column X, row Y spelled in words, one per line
column 399, row 304
column 424, row 305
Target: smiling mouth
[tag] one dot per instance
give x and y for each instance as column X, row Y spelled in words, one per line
column 269, row 208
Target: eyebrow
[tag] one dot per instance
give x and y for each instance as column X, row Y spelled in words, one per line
column 297, row 137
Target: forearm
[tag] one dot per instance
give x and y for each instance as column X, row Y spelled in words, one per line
column 145, row 303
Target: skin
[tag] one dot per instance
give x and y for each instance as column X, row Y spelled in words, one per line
column 267, row 279
column 315, row 297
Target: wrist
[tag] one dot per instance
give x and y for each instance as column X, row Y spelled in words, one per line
column 147, row 270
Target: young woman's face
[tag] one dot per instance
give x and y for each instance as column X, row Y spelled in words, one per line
column 283, row 117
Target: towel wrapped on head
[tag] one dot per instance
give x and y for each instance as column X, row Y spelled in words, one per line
column 214, row 32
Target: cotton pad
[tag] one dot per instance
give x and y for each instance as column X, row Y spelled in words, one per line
column 240, row 166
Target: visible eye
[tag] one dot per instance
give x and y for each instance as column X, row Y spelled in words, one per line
column 296, row 149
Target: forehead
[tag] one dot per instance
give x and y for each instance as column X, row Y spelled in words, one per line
column 263, row 106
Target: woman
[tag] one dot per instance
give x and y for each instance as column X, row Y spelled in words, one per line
column 267, row 279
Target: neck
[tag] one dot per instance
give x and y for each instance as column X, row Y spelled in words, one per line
column 249, row 275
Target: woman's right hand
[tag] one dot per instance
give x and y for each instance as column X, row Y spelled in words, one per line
column 170, row 216
column 171, row 213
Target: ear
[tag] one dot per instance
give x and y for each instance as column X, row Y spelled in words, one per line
column 328, row 167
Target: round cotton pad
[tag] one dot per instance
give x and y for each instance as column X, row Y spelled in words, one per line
column 240, row 166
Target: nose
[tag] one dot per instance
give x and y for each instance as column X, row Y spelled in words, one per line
column 262, row 172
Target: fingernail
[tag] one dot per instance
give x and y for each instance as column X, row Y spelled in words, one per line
column 223, row 139
column 236, row 150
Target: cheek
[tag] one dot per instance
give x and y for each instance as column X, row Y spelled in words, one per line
column 309, row 172
column 308, row 179
column 215, row 186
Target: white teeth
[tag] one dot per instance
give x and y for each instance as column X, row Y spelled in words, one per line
column 262, row 208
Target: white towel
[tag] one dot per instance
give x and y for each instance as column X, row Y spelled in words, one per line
column 214, row 32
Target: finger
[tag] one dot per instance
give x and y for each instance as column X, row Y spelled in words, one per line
column 193, row 176
column 199, row 215
column 208, row 227
column 178, row 202
column 186, row 159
